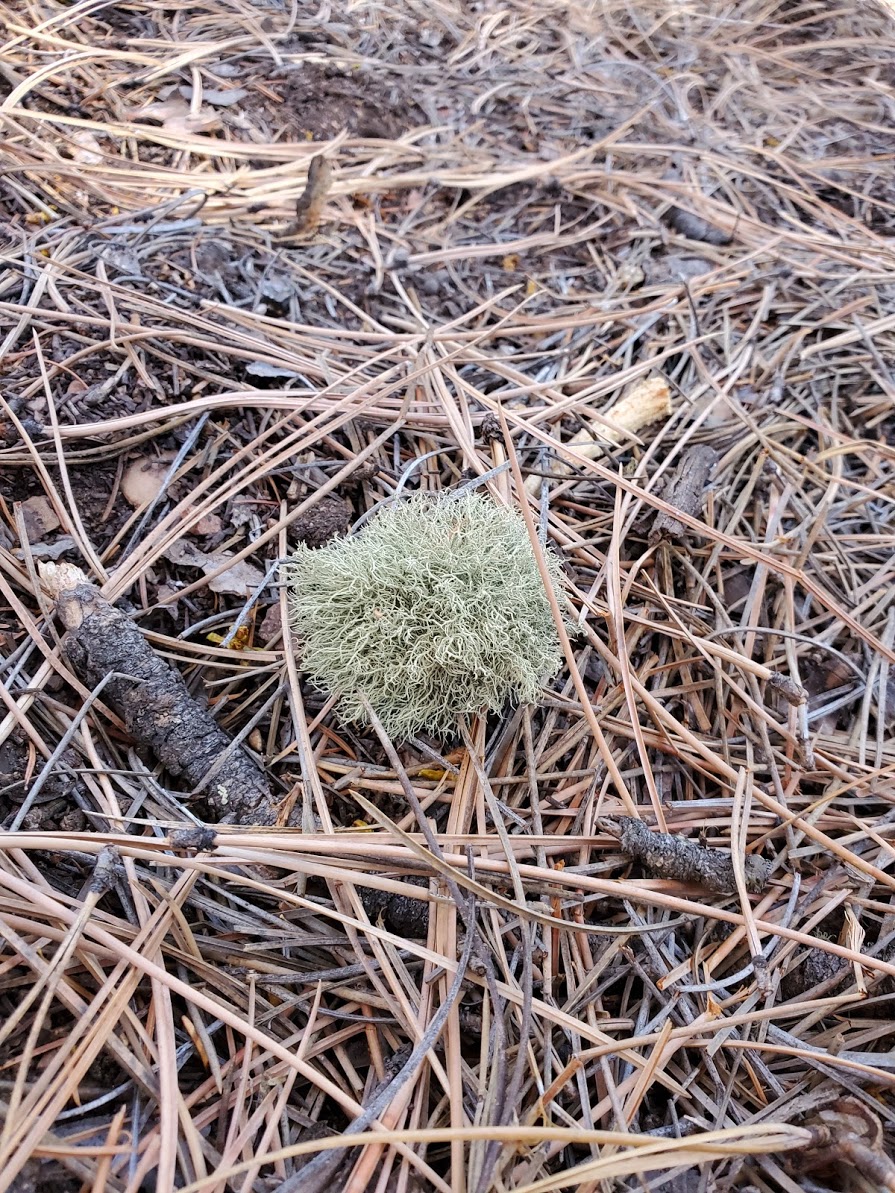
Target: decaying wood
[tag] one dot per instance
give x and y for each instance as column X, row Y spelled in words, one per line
column 154, row 702
column 648, row 402
column 669, row 856
column 310, row 203
column 695, row 227
column 685, row 492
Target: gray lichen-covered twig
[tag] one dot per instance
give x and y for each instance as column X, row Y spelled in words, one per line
column 154, row 702
column 667, row 855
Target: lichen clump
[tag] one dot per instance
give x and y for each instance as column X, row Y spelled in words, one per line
column 435, row 609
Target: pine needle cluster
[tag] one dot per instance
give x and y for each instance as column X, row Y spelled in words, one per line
column 435, row 609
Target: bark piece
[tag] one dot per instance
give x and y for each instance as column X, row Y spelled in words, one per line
column 154, row 702
column 669, row 856
column 40, row 518
column 695, row 227
column 401, row 914
column 310, row 203
column 685, row 493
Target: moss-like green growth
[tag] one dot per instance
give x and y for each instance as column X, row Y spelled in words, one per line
column 435, row 609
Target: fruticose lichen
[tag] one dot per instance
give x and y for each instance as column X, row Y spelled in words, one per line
column 434, row 610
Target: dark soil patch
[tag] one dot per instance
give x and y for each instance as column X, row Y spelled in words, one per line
column 316, row 103
column 92, row 486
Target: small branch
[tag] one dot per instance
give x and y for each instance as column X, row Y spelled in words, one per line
column 154, row 702
column 670, row 856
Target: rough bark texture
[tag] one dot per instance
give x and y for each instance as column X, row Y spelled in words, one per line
column 669, row 856
column 310, row 203
column 685, row 492
column 401, row 914
column 158, row 709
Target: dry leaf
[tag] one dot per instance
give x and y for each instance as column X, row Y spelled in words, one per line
column 87, row 148
column 175, row 117
column 40, row 518
column 242, row 579
column 53, row 550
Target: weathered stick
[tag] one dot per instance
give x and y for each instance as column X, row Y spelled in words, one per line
column 154, row 702
column 670, row 856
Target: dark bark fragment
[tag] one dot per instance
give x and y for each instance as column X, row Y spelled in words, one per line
column 685, row 492
column 669, row 856
column 694, row 227
column 401, row 914
column 158, row 709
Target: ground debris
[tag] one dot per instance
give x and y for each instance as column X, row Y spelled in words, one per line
column 669, row 856
column 310, row 203
column 849, row 1140
column 327, row 519
column 632, row 229
column 154, row 701
column 685, row 492
column 695, row 227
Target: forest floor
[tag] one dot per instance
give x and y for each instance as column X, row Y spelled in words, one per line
column 525, row 212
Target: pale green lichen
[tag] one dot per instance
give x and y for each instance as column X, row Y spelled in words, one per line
column 436, row 609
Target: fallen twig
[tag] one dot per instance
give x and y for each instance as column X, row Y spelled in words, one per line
column 670, row 856
column 154, row 701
